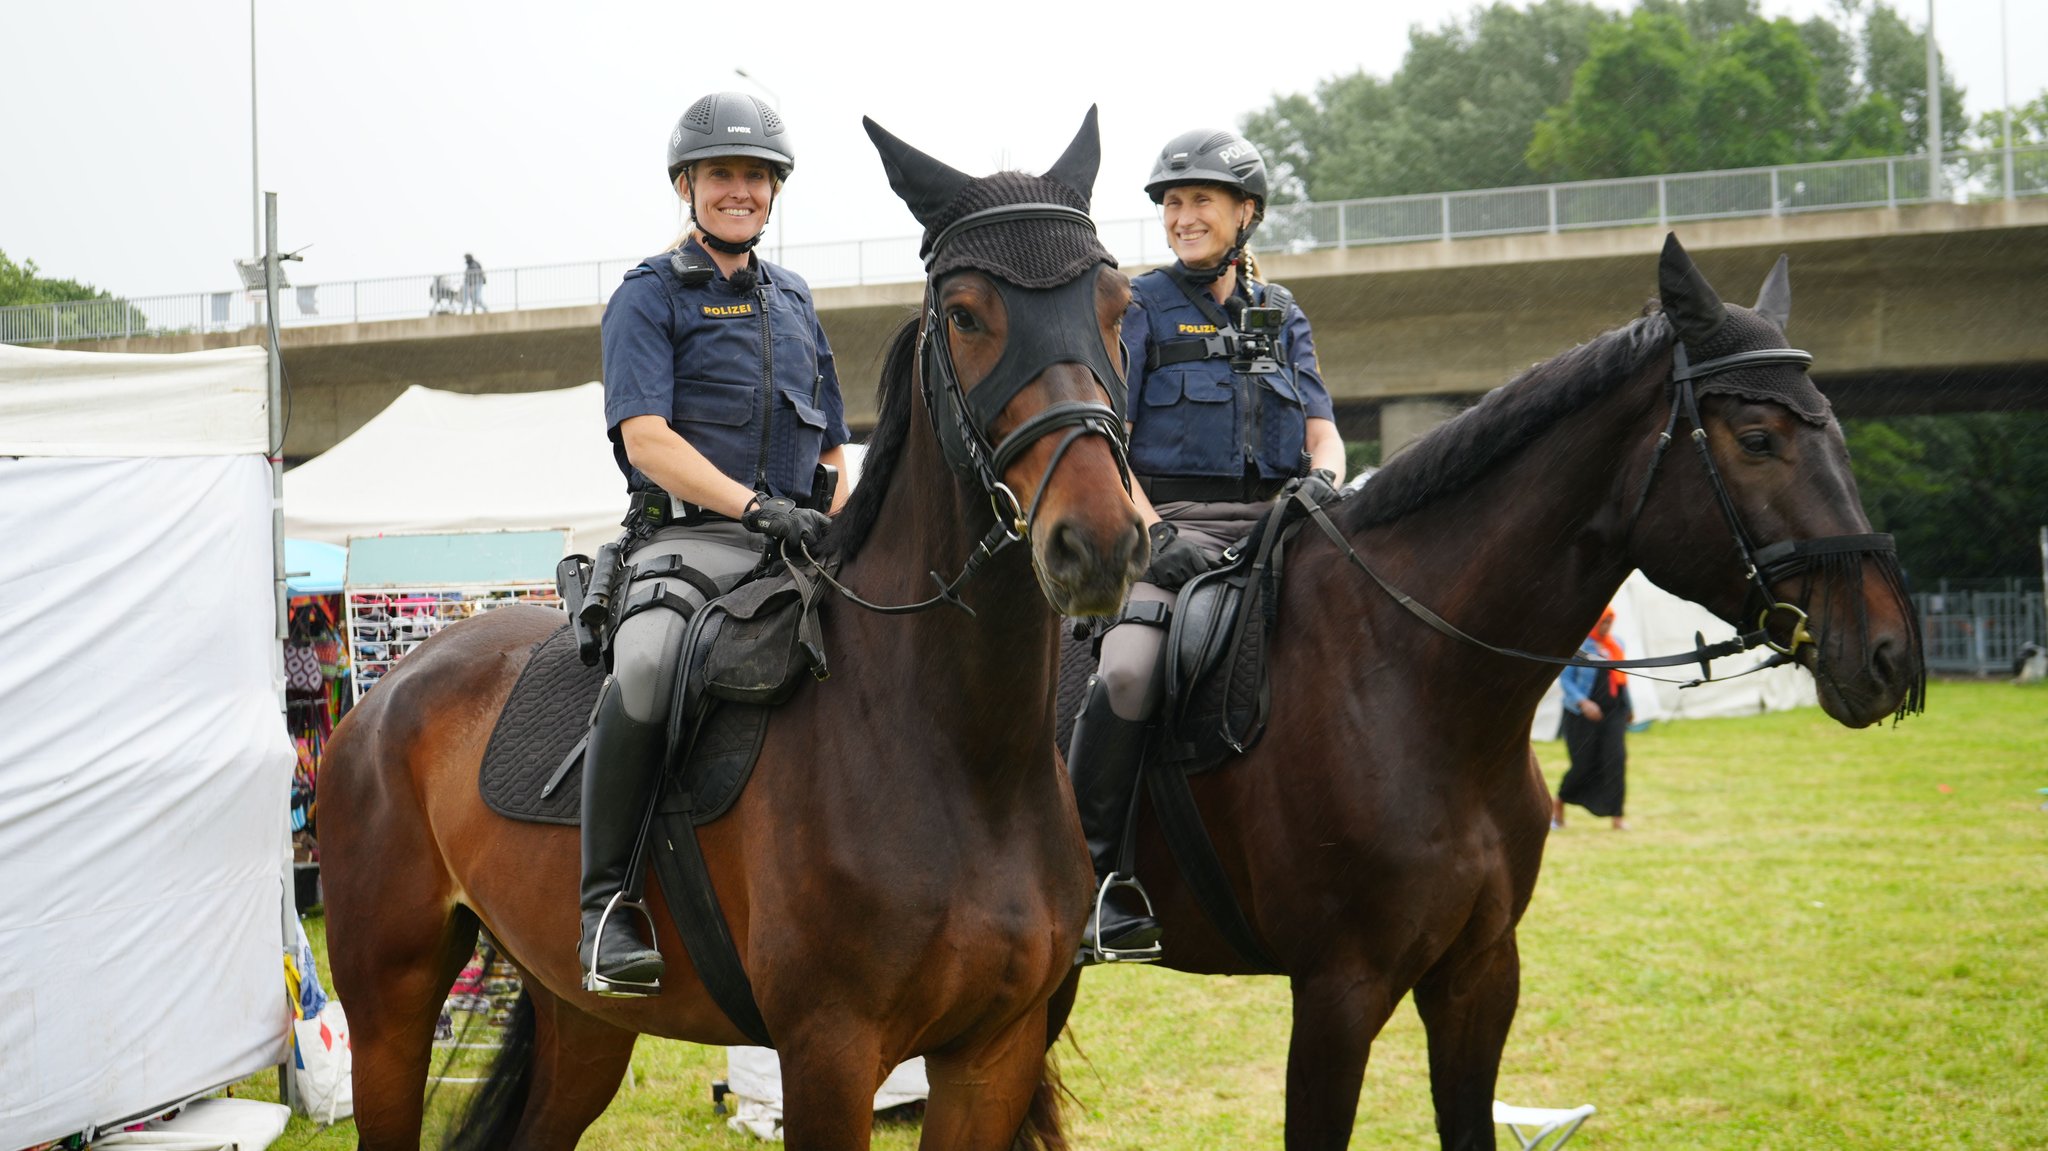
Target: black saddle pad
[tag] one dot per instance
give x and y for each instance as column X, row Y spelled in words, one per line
column 549, row 711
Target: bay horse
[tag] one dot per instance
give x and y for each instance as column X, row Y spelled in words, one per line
column 1384, row 836
column 904, row 874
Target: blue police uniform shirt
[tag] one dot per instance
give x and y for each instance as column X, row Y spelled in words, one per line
column 1201, row 419
column 746, row 379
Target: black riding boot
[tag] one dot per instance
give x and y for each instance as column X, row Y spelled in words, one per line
column 620, row 768
column 1103, row 763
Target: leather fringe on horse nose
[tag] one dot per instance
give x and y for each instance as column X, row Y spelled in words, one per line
column 1841, row 573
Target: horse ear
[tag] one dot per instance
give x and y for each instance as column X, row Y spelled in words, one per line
column 1774, row 302
column 1083, row 158
column 1688, row 299
column 926, row 185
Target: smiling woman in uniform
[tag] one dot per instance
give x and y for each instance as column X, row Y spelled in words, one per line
column 1227, row 405
column 721, row 402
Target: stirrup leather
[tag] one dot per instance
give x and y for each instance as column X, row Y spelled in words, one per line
column 1092, row 949
column 618, row 988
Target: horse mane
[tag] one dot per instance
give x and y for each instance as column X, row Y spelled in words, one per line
column 855, row 521
column 1462, row 450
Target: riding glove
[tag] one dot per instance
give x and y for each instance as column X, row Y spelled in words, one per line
column 1320, row 486
column 1175, row 561
column 778, row 518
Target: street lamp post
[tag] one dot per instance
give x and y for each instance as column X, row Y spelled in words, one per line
column 1933, row 110
column 776, row 98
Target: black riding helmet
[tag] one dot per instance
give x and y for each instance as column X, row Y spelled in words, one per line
column 729, row 124
column 1213, row 156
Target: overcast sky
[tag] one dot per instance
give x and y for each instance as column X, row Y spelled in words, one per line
column 401, row 134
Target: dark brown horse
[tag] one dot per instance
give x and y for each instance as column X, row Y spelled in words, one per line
column 1385, row 835
column 904, row 875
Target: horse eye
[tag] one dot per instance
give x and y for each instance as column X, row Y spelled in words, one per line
column 1756, row 443
column 962, row 319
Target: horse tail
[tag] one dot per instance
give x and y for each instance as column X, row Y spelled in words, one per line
column 1041, row 1130
column 492, row 1116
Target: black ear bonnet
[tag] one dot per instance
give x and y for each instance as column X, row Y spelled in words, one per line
column 1711, row 330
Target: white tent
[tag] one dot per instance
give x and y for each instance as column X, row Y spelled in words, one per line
column 1651, row 621
column 144, row 766
column 439, row 461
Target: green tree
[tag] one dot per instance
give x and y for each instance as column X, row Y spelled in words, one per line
column 1458, row 113
column 1965, row 495
column 24, row 284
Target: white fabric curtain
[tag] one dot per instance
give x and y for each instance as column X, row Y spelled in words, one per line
column 144, row 766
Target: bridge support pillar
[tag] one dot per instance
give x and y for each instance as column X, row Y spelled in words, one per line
column 1402, row 422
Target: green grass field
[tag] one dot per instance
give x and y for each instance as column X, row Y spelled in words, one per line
column 1811, row 938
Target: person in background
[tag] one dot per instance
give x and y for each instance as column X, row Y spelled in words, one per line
column 1227, row 406
column 1597, row 713
column 472, row 284
column 721, row 401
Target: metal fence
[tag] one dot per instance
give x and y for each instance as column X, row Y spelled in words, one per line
column 1793, row 188
column 1977, row 631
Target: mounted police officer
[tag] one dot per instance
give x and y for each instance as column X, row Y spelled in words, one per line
column 1227, row 405
column 722, row 400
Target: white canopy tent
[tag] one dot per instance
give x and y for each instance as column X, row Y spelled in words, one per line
column 439, row 461
column 144, row 765
column 1651, row 621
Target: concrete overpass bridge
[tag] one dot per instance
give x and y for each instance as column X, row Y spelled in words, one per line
column 1926, row 306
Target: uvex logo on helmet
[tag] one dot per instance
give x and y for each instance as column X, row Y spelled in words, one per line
column 739, row 128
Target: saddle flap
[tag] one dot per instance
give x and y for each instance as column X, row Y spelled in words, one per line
column 1204, row 617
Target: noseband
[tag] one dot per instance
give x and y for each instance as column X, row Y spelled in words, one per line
column 1761, row 566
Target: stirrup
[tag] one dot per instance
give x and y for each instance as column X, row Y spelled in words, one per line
column 618, row 988
column 1092, row 950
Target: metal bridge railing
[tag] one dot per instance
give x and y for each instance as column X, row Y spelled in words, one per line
column 1887, row 181
column 1979, row 632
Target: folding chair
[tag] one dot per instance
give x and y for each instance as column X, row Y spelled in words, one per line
column 1532, row 1125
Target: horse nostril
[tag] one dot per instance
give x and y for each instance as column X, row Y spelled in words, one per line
column 1065, row 550
column 1884, row 662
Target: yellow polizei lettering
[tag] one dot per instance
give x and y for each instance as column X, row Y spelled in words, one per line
column 728, row 309
column 1198, row 329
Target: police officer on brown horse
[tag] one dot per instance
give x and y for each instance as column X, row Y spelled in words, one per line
column 1227, row 405
column 721, row 401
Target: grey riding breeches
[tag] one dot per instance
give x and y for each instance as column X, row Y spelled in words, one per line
column 1130, row 652
column 647, row 648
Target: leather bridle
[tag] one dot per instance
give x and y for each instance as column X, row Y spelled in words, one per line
column 962, row 419
column 1762, row 566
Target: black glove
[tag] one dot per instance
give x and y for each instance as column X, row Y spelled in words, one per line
column 1320, row 486
column 778, row 518
column 1175, row 561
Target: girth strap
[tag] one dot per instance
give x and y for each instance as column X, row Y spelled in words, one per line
column 1180, row 821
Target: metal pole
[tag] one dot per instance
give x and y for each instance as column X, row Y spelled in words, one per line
column 276, row 406
column 255, row 184
column 1933, row 110
column 2005, row 82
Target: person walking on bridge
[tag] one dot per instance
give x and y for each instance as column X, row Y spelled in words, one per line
column 1227, row 405
column 721, row 402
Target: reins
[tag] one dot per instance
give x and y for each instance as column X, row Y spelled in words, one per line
column 1773, row 562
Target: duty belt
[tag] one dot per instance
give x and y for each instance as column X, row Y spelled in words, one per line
column 651, row 511
column 1210, row 489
